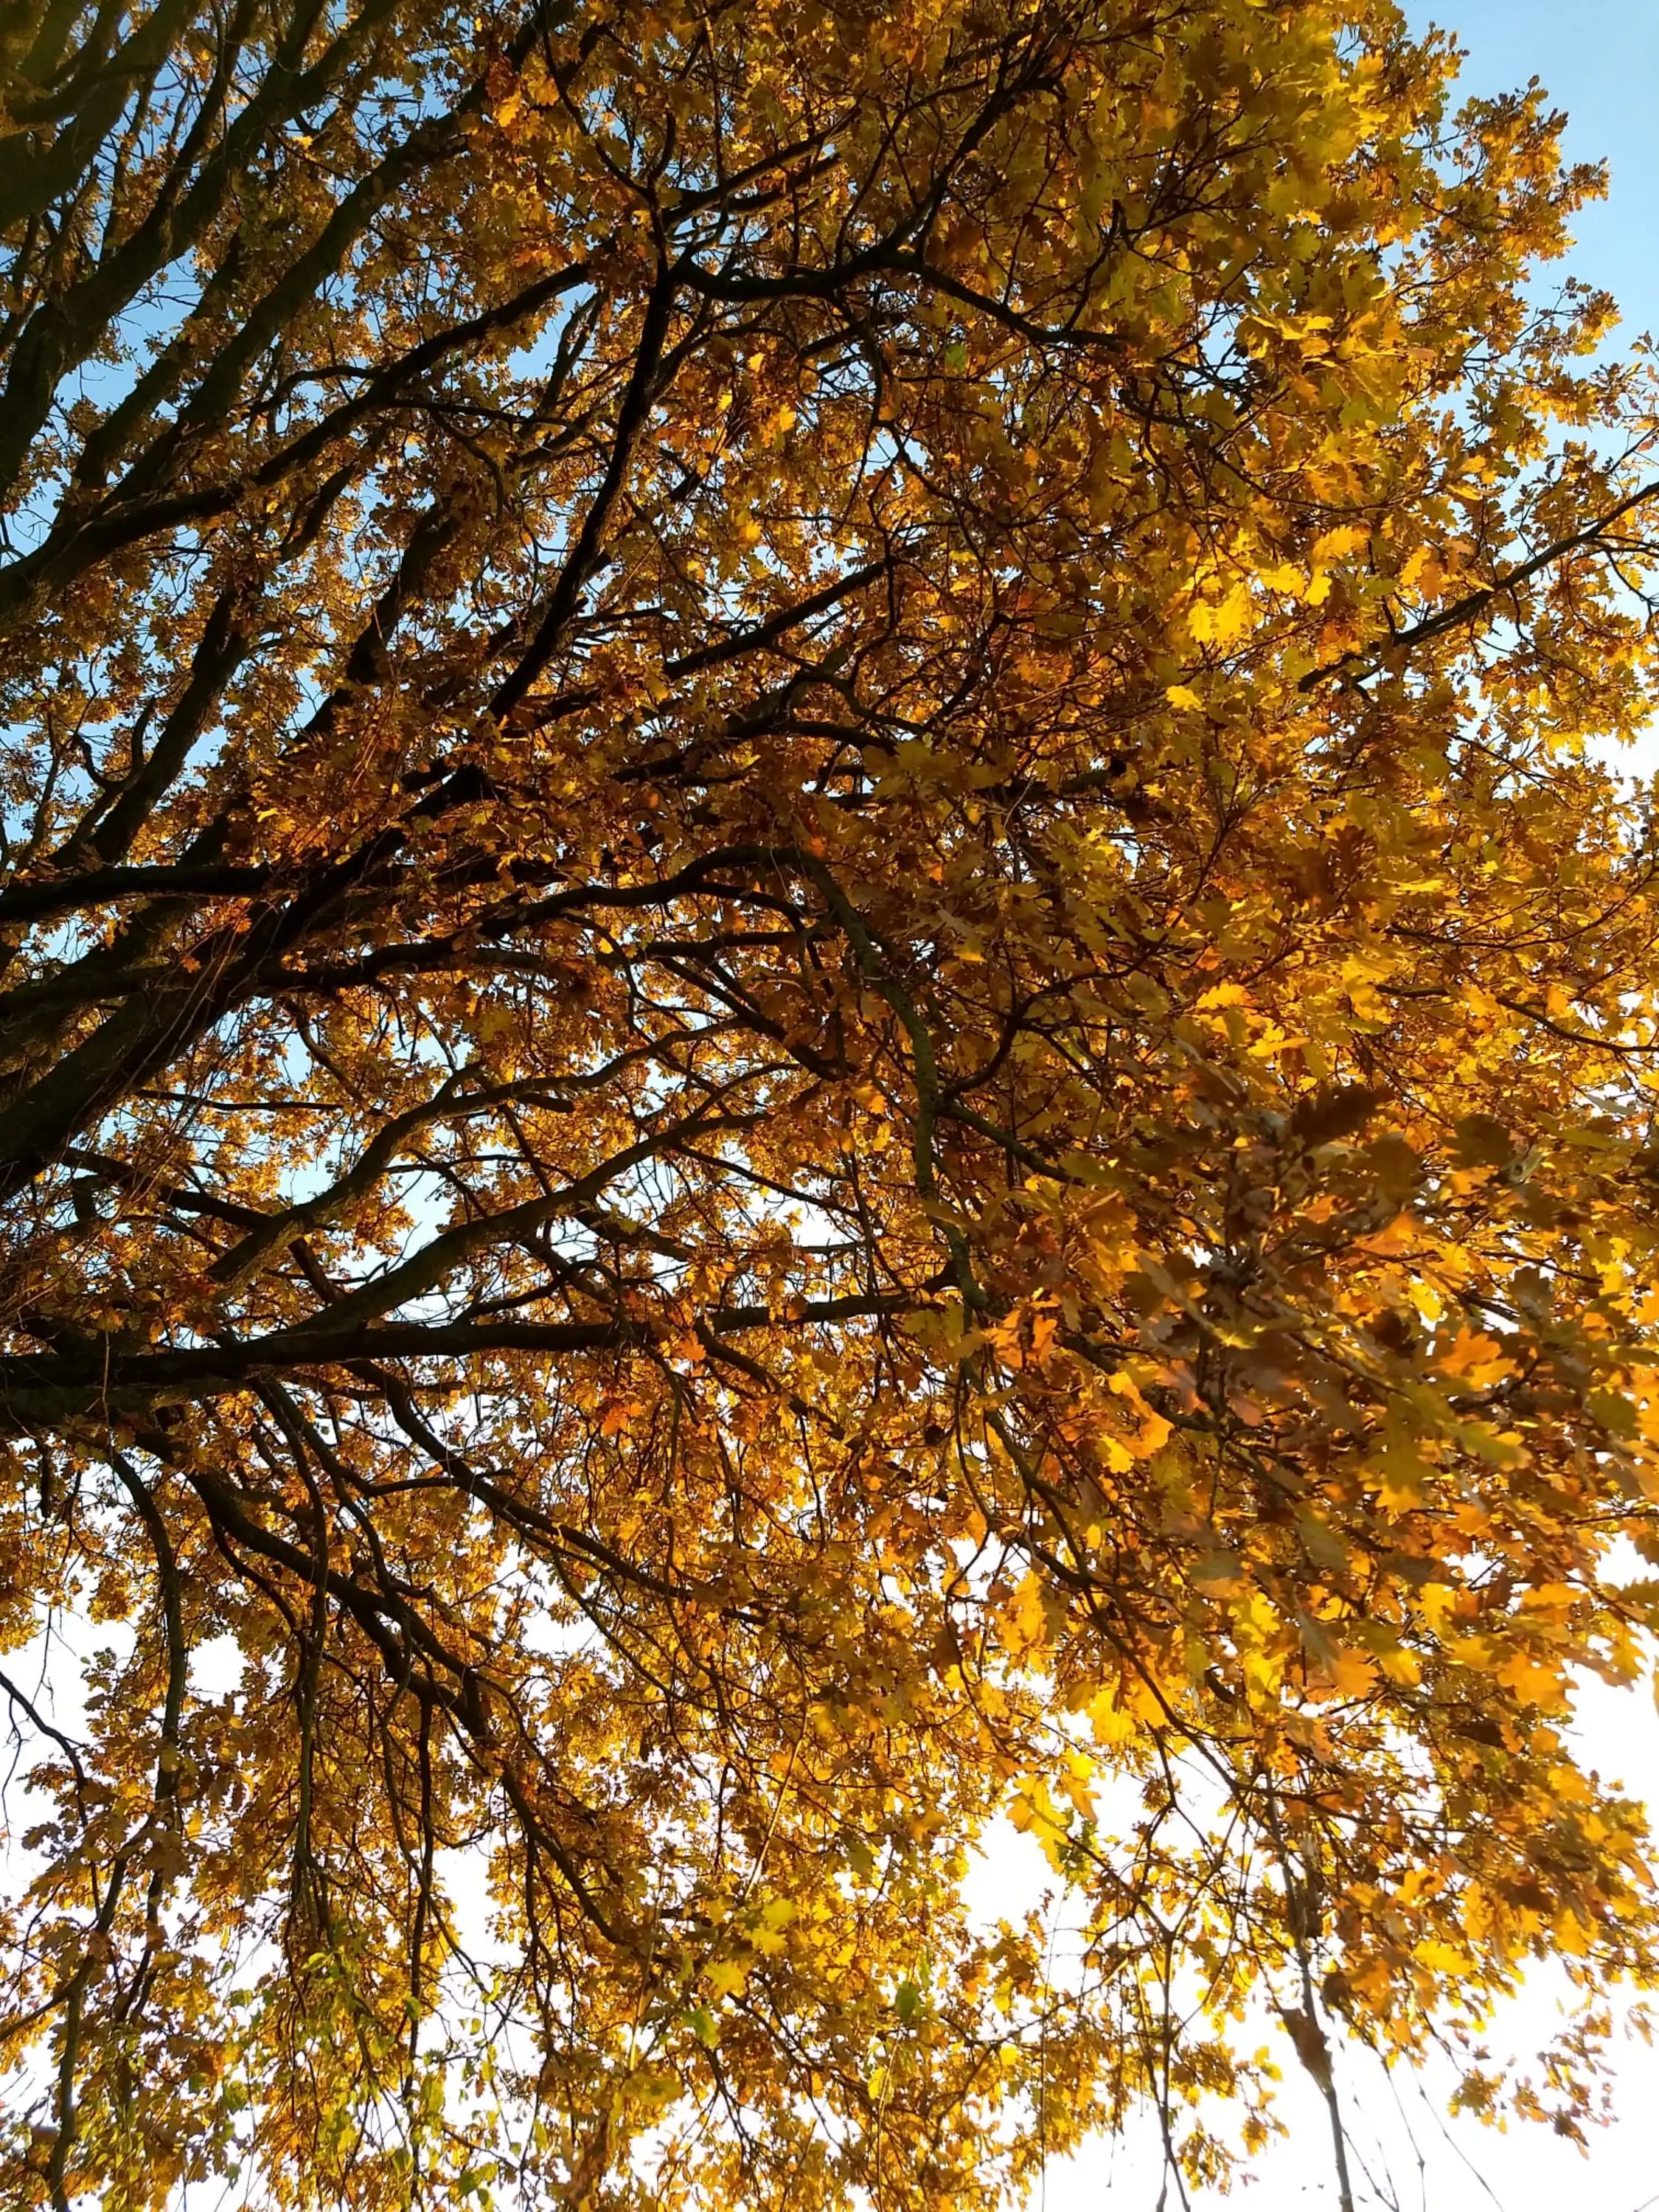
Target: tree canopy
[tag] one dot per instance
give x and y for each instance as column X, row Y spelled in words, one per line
column 829, row 1014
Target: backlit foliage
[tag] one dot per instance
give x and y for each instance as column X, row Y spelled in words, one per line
column 824, row 1015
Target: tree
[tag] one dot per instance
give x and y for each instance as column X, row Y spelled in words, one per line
column 825, row 1014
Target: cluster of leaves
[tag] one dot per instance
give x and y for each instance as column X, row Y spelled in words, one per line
column 822, row 1017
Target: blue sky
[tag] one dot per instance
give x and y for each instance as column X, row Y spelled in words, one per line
column 1598, row 59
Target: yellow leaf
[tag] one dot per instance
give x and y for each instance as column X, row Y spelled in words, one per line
column 1219, row 622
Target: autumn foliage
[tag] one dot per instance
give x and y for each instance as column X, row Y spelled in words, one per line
column 828, row 1015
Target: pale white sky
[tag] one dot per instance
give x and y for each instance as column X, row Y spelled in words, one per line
column 1408, row 2154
